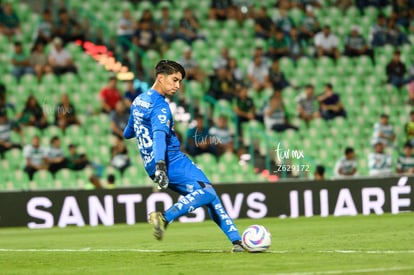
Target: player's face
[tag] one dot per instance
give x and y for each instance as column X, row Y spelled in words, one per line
column 170, row 83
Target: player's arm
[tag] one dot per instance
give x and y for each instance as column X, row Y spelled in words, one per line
column 160, row 122
column 129, row 129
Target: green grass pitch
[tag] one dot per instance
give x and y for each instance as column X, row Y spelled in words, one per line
column 334, row 245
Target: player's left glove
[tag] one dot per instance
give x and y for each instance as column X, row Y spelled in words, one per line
column 161, row 177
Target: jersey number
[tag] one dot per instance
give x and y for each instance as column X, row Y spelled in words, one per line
column 143, row 136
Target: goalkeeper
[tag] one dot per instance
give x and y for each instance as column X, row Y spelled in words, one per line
column 151, row 123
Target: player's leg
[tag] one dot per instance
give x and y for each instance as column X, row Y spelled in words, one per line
column 226, row 224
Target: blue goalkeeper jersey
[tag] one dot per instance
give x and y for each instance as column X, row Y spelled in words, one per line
column 149, row 113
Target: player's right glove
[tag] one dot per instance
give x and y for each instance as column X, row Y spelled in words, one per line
column 161, row 177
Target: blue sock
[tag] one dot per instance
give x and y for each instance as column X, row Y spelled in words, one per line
column 222, row 219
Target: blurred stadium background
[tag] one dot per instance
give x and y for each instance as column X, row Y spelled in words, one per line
column 360, row 83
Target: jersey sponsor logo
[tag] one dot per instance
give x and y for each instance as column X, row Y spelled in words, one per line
column 140, row 102
column 162, row 118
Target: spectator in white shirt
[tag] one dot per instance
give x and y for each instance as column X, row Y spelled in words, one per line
column 55, row 156
column 326, row 43
column 60, row 59
column 125, row 30
column 379, row 163
column 383, row 131
column 346, row 165
column 35, row 157
column 258, row 74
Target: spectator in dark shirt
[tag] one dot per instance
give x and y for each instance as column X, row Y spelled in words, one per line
column 244, row 108
column 131, row 93
column 76, row 161
column 396, row 71
column 221, row 85
column 32, row 114
column 330, row 104
column 198, row 139
column 67, row 28
column 355, row 44
column 263, row 24
column 119, row 119
column 9, row 22
column 65, row 113
column 189, row 27
column 6, row 128
column 219, row 9
column 277, row 77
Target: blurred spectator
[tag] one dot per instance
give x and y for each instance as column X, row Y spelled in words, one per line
column 32, row 114
column 409, row 129
column 309, row 25
column 67, row 28
column 410, row 88
column 379, row 163
column 191, row 67
column 221, row 136
column 55, row 158
column 198, row 139
column 166, row 26
column 319, row 173
column 396, row 71
column 235, row 72
column 119, row 119
column 125, row 30
column 20, row 61
column 258, row 74
column 378, row 33
column 383, row 131
column 330, row 105
column 6, row 128
column 119, row 155
column 65, row 113
column 244, row 108
column 6, row 107
column 343, row 5
column 278, row 45
column 43, row 31
column 145, row 36
column 60, row 59
column 263, row 24
column 276, row 77
column 405, row 161
column 326, row 43
column 395, row 36
column 222, row 85
column 306, row 105
column 346, row 166
column 9, row 22
column 275, row 115
column 362, row 4
column 189, row 27
column 222, row 60
column 39, row 61
column 110, row 95
column 35, row 157
column 284, row 21
column 297, row 46
column 355, row 44
column 75, row 160
column 219, row 9
column 131, row 93
column 258, row 51
column 95, row 182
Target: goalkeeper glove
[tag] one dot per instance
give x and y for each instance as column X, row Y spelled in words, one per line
column 161, row 177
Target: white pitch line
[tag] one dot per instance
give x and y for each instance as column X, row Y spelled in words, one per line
column 368, row 251
column 333, row 272
column 88, row 249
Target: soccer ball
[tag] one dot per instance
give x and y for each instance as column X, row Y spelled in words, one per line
column 256, row 238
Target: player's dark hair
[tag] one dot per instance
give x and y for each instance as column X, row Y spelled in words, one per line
column 169, row 67
column 349, row 150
